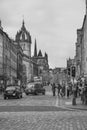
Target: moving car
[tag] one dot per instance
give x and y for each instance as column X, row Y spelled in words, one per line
column 12, row 91
column 35, row 88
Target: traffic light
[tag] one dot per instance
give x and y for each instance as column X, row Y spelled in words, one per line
column 68, row 71
column 73, row 71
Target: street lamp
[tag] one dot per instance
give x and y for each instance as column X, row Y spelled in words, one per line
column 74, row 85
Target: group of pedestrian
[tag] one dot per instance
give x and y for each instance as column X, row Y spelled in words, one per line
column 79, row 89
column 59, row 89
column 75, row 89
column 64, row 89
column 82, row 85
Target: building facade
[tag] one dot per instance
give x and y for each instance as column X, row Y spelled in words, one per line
column 41, row 60
column 19, row 63
column 8, row 59
column 16, row 62
column 24, row 39
column 78, row 52
column 81, row 47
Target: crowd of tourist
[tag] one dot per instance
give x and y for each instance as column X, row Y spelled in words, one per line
column 77, row 88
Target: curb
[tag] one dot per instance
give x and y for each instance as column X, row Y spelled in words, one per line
column 72, row 108
column 77, row 108
column 68, row 105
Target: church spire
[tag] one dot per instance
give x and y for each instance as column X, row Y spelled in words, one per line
column 23, row 22
column 40, row 53
column 35, row 49
column 23, row 25
column 1, row 25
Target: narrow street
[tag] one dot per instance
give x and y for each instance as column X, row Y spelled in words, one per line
column 30, row 103
column 39, row 113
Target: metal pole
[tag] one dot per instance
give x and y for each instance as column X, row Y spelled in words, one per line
column 74, row 96
column 3, row 62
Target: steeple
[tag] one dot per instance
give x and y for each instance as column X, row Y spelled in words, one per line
column 40, row 53
column 23, row 35
column 46, row 56
column 35, row 49
column 23, row 25
column 1, row 25
column 23, row 22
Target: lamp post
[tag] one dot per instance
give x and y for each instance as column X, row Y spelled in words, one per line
column 74, row 85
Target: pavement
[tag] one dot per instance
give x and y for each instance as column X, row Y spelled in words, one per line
column 21, row 118
column 63, row 102
column 67, row 103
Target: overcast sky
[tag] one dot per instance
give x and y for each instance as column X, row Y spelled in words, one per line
column 52, row 22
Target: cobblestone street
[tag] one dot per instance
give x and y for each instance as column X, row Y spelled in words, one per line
column 43, row 120
column 30, row 100
column 39, row 113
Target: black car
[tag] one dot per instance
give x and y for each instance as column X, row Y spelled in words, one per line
column 35, row 88
column 13, row 91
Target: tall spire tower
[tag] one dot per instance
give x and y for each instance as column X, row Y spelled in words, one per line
column 1, row 25
column 35, row 49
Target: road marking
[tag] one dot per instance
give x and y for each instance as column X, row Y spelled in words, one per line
column 58, row 102
column 48, row 93
column 68, row 103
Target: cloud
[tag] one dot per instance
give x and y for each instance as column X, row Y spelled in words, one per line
column 52, row 22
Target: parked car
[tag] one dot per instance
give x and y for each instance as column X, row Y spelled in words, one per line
column 13, row 91
column 29, row 87
column 35, row 88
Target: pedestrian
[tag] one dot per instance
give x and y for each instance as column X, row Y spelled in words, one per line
column 85, row 93
column 68, row 91
column 63, row 90
column 53, row 89
column 59, row 89
column 82, row 95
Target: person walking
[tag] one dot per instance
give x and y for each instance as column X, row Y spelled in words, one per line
column 68, row 91
column 59, row 89
column 85, row 93
column 53, row 89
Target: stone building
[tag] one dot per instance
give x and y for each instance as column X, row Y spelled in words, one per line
column 78, row 52
column 19, row 63
column 41, row 60
column 81, row 48
column 23, row 38
column 32, row 65
column 16, row 62
column 8, row 59
column 59, row 75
